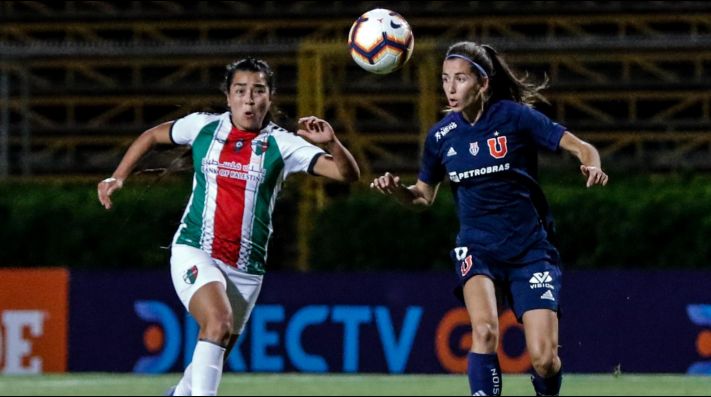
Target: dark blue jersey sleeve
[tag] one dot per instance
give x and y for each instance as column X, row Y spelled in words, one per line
column 546, row 133
column 432, row 170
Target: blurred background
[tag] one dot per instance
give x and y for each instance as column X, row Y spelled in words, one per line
column 80, row 80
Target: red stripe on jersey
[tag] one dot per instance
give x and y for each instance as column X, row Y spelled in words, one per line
column 231, row 186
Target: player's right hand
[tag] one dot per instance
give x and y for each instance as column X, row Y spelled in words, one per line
column 106, row 188
column 386, row 184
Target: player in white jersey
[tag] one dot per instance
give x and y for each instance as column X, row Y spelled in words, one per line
column 241, row 160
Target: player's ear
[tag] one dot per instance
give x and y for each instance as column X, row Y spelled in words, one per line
column 484, row 85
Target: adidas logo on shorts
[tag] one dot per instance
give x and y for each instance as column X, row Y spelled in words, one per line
column 548, row 295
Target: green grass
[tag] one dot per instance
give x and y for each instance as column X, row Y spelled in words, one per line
column 296, row 385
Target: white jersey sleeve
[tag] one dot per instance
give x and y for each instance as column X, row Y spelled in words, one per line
column 185, row 130
column 298, row 154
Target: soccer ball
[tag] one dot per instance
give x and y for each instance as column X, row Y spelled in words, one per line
column 381, row 41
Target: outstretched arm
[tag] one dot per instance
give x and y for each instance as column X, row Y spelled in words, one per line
column 340, row 165
column 591, row 166
column 142, row 145
column 416, row 197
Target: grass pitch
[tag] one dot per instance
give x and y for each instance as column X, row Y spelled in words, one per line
column 304, row 385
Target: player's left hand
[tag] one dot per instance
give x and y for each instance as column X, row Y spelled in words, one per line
column 106, row 188
column 594, row 175
column 316, row 130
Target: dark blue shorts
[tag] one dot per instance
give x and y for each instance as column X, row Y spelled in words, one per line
column 523, row 288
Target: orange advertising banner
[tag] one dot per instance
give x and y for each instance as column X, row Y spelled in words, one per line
column 34, row 316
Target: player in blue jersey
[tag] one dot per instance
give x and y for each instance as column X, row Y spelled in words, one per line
column 487, row 146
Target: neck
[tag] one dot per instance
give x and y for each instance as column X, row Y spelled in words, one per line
column 253, row 131
column 473, row 113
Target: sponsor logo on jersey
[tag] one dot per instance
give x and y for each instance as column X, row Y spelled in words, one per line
column 474, row 148
column 457, row 177
column 233, row 170
column 442, row 132
column 541, row 280
column 191, row 275
column 451, row 152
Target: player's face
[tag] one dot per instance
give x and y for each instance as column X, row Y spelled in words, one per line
column 249, row 99
column 460, row 84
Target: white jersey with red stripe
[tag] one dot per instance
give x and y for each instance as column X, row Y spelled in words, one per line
column 238, row 176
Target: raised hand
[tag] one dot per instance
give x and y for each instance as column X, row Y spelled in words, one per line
column 316, row 130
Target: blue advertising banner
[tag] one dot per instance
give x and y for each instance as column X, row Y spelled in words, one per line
column 392, row 323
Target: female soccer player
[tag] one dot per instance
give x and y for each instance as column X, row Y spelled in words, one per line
column 220, row 249
column 487, row 146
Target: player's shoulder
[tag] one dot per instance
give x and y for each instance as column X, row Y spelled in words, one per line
column 280, row 134
column 277, row 131
column 504, row 111
column 283, row 137
column 508, row 107
column 443, row 127
column 202, row 118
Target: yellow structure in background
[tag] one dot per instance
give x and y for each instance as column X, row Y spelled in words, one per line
column 328, row 87
column 74, row 92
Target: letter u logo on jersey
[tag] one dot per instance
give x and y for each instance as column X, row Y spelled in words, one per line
column 498, row 147
column 467, row 265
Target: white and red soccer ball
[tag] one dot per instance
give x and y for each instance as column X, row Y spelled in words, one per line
column 381, row 41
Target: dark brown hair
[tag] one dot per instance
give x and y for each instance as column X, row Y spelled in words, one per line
column 248, row 65
column 503, row 82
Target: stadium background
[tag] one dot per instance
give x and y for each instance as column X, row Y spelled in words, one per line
column 80, row 80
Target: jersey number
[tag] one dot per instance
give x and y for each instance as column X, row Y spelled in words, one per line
column 498, row 147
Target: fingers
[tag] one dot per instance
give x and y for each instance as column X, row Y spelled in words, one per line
column 106, row 188
column 386, row 184
column 594, row 175
column 104, row 196
column 312, row 124
column 304, row 120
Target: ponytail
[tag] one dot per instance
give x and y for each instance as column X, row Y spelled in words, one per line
column 503, row 82
column 506, row 85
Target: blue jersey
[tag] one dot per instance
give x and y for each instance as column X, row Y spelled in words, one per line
column 492, row 167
